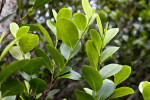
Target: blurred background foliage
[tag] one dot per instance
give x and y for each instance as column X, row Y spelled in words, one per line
column 132, row 17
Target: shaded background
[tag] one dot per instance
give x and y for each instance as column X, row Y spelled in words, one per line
column 132, row 17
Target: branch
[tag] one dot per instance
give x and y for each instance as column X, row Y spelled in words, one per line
column 2, row 5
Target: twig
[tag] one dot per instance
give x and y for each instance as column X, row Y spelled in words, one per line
column 2, row 5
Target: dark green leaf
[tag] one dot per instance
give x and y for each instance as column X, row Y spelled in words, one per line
column 110, row 70
column 33, row 27
column 5, row 18
column 25, row 96
column 37, row 85
column 12, row 68
column 65, row 50
column 96, row 40
column 67, row 32
column 106, row 90
column 47, row 36
column 55, row 54
column 64, row 13
column 33, row 66
column 47, row 62
column 12, row 87
column 52, row 26
column 80, row 21
column 92, row 53
column 122, row 91
column 83, row 95
column 52, row 93
column 19, row 7
column 28, row 42
column 92, row 77
column 39, row 3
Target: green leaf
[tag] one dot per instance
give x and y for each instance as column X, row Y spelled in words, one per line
column 87, row 8
column 2, row 36
column 145, row 92
column 22, row 30
column 122, row 91
column 33, row 66
column 108, row 52
column 65, row 50
column 47, row 62
column 52, row 93
column 27, row 86
column 72, row 75
column 105, row 30
column 67, row 31
column 33, row 27
column 9, row 47
column 54, row 14
column 28, row 42
column 12, row 87
column 110, row 70
column 92, row 19
column 37, row 85
column 39, row 3
column 38, row 95
column 8, row 97
column 52, row 26
column 26, row 96
column 110, row 34
column 80, row 21
column 17, row 53
column 106, row 90
column 83, row 95
column 96, row 39
column 92, row 53
column 12, row 68
column 14, row 28
column 55, row 54
column 19, row 7
column 100, row 27
column 122, row 75
column 64, row 13
column 89, row 91
column 92, row 77
column 7, row 17
column 63, row 72
column 142, row 85
column 47, row 36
